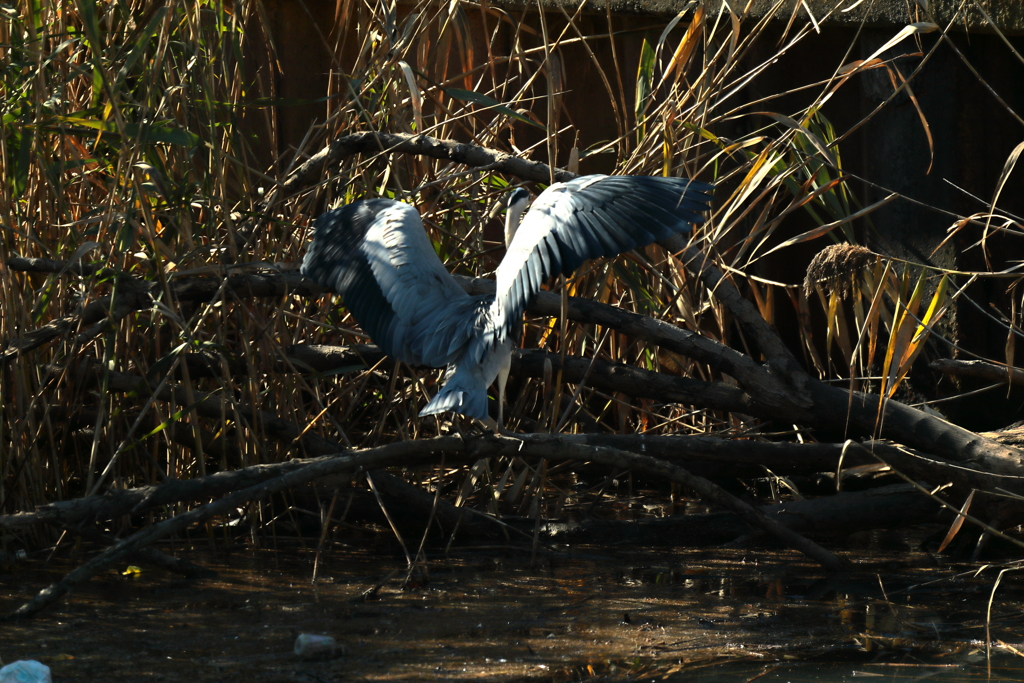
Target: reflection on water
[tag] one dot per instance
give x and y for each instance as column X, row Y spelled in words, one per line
column 710, row 615
column 962, row 668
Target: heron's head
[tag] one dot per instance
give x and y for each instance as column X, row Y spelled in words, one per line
column 518, row 200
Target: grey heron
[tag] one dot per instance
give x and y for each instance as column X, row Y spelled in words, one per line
column 376, row 254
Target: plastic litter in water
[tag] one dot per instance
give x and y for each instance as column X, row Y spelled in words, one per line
column 309, row 646
column 25, row 671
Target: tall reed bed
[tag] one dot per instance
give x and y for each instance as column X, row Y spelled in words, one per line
column 143, row 138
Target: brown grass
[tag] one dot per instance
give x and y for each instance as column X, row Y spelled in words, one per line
column 136, row 138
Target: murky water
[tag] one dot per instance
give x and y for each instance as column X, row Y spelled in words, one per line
column 484, row 614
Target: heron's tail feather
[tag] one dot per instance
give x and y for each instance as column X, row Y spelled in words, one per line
column 460, row 394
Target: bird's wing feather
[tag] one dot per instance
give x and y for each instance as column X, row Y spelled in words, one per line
column 588, row 217
column 376, row 254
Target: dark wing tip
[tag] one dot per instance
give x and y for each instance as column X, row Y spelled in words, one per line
column 337, row 234
column 334, row 260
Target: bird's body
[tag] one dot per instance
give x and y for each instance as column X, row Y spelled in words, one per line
column 376, row 254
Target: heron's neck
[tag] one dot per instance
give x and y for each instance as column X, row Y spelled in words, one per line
column 512, row 218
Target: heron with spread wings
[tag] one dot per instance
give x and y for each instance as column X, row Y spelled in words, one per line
column 376, row 254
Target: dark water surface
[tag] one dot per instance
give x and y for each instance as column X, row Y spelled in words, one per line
column 484, row 614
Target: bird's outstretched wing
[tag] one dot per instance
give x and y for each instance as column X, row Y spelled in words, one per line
column 588, row 217
column 376, row 254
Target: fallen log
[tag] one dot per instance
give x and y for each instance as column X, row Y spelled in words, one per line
column 705, row 456
column 980, row 369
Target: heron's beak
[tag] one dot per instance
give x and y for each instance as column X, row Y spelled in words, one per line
column 514, row 217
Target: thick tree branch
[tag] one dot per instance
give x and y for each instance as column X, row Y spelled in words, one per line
column 704, row 456
column 857, row 413
column 978, row 368
column 46, row 265
column 752, row 376
column 428, row 450
column 389, row 143
column 640, row 383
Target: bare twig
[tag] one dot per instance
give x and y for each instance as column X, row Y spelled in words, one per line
column 978, row 368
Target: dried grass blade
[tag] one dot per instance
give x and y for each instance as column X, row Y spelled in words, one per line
column 807, row 197
column 793, row 125
column 859, row 324
column 734, row 36
column 414, row 94
column 843, row 331
column 1011, row 161
column 663, row 38
column 959, row 225
column 957, row 523
column 1012, row 330
column 904, row 33
column 832, row 308
column 920, row 113
column 873, row 319
column 923, row 329
column 900, row 341
column 762, row 166
column 933, row 313
column 686, row 46
column 804, row 315
column 890, row 350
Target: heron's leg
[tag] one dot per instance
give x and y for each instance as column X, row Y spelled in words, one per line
column 502, row 380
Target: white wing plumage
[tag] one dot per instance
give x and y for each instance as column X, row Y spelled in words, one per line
column 376, row 254
column 588, row 217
